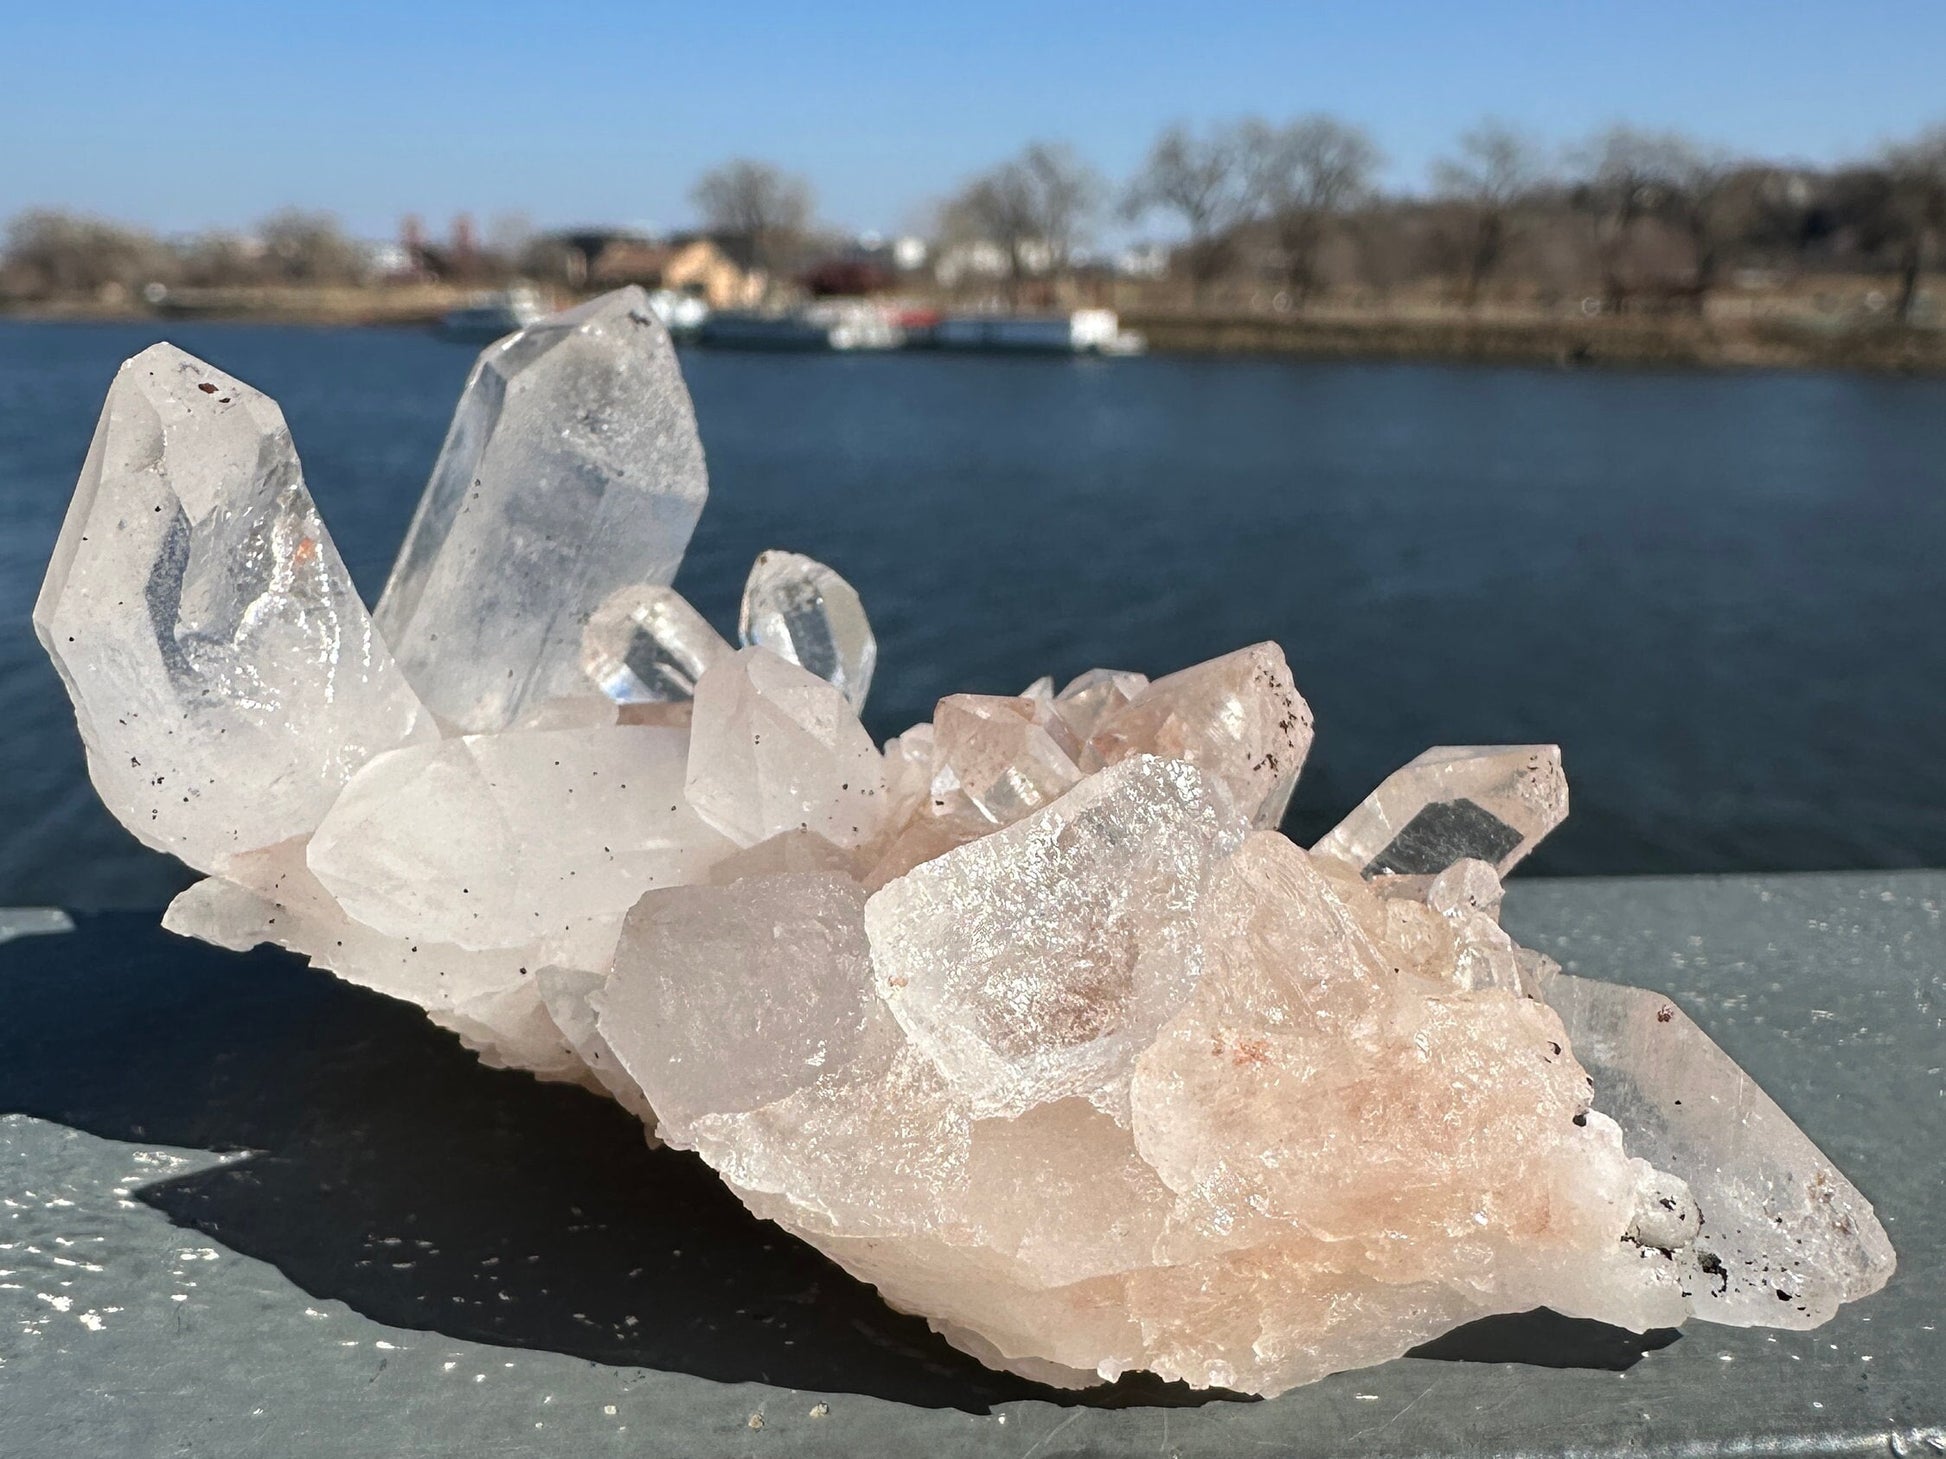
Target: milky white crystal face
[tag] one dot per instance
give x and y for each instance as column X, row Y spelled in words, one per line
column 646, row 645
column 1238, row 719
column 774, row 748
column 1429, row 1118
column 572, row 470
column 807, row 615
column 225, row 676
column 504, row 840
column 271, row 896
column 724, row 999
column 1490, row 803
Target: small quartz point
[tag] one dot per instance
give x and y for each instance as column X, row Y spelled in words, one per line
column 224, row 673
column 572, row 470
column 1490, row 803
column 1005, row 757
column 646, row 645
column 807, row 615
column 1784, row 1238
column 775, row 748
column 1092, row 696
column 1238, row 718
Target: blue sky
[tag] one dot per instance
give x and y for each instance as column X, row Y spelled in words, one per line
column 179, row 115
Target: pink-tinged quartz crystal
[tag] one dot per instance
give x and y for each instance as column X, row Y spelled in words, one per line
column 1032, row 1019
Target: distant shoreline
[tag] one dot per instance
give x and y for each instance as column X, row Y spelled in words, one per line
column 1674, row 341
column 1670, row 341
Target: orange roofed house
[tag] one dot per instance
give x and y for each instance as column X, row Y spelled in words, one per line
column 692, row 265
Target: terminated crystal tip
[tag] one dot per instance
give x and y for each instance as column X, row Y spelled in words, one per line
column 225, row 675
column 572, row 470
column 806, row 614
column 1490, row 803
column 646, row 645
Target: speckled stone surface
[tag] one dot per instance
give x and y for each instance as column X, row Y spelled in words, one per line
column 246, row 1209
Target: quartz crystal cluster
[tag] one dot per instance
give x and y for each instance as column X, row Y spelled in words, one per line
column 1030, row 1017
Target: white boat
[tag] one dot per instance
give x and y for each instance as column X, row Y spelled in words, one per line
column 832, row 325
column 487, row 317
column 683, row 315
column 1079, row 332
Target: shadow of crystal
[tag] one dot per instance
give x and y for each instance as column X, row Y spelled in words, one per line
column 390, row 1171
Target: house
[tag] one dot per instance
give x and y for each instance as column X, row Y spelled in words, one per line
column 693, row 265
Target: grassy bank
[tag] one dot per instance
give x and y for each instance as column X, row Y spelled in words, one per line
column 1675, row 340
column 339, row 305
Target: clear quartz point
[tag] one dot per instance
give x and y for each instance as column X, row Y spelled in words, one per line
column 1090, row 697
column 1784, row 1238
column 572, row 469
column 1490, row 803
column 226, row 677
column 1239, row 718
column 807, row 615
column 646, row 645
column 1007, row 757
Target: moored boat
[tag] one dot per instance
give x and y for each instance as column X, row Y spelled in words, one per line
column 486, row 317
column 1078, row 332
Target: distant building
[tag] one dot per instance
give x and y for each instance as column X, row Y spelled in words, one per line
column 958, row 263
column 869, row 263
column 696, row 265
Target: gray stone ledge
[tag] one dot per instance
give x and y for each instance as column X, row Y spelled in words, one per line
column 249, row 1210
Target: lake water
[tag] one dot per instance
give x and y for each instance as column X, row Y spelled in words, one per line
column 1723, row 595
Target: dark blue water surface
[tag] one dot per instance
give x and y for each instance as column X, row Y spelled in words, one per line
column 1723, row 595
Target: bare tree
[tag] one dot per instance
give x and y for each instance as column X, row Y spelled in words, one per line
column 1036, row 208
column 309, row 248
column 759, row 211
column 1065, row 195
column 217, row 258
column 1631, row 175
column 1913, row 211
column 996, row 208
column 1310, row 173
column 1709, row 209
column 1209, row 183
column 1495, row 171
column 52, row 254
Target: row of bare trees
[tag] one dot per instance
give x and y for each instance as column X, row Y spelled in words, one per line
column 1633, row 217
column 1656, row 215
column 1638, row 216
column 761, row 214
column 54, row 254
